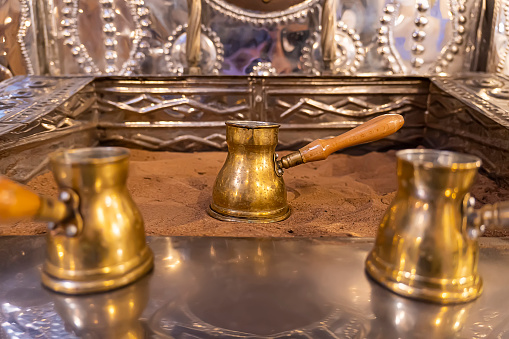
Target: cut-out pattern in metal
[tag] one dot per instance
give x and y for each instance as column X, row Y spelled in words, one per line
column 349, row 52
column 212, row 51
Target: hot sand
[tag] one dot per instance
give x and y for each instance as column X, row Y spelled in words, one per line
column 341, row 196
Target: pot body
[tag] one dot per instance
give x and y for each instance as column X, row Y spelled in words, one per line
column 109, row 250
column 422, row 248
column 248, row 187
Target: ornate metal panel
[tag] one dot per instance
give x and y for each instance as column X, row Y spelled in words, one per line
column 173, row 114
column 497, row 61
column 18, row 41
column 39, row 115
column 312, row 37
column 471, row 114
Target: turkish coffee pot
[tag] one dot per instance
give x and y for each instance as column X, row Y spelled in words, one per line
column 427, row 243
column 250, row 186
column 96, row 239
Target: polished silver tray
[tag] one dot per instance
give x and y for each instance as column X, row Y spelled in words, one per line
column 246, row 288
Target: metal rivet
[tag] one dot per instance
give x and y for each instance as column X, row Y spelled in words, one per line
column 386, row 19
column 71, row 230
column 389, row 9
column 65, row 196
column 417, row 62
column 422, row 6
column 417, row 49
column 421, row 21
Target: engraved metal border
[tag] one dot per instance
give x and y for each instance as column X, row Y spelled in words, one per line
column 288, row 15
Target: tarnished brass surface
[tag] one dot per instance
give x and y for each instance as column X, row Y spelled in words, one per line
column 248, row 188
column 109, row 250
column 426, row 247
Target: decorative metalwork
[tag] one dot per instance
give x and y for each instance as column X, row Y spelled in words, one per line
column 460, row 29
column 189, row 115
column 27, row 99
column 503, row 11
column 69, row 24
column 422, row 59
column 110, row 32
column 142, row 37
column 289, row 15
column 314, row 108
column 473, row 117
column 176, row 108
column 69, row 27
column 263, row 69
column 482, row 97
column 350, row 52
column 416, row 37
column 212, row 51
column 386, row 38
column 25, row 23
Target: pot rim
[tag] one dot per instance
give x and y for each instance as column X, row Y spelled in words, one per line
column 432, row 158
column 252, row 124
column 90, row 155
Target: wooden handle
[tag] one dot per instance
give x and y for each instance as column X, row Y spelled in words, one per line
column 16, row 201
column 374, row 129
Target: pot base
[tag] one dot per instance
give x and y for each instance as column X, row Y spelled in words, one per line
column 273, row 218
column 103, row 283
column 436, row 290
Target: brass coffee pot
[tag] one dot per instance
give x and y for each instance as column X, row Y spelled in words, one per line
column 250, row 186
column 426, row 247
column 96, row 239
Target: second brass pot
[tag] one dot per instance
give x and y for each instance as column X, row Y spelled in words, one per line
column 250, row 186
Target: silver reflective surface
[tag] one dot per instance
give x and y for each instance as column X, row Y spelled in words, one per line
column 123, row 37
column 246, row 288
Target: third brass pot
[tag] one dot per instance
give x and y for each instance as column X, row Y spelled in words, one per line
column 426, row 247
column 250, row 186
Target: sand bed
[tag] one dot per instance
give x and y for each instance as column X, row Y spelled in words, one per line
column 341, row 196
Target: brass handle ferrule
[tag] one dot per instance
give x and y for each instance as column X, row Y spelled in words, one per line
column 290, row 160
column 495, row 215
column 18, row 202
column 52, row 210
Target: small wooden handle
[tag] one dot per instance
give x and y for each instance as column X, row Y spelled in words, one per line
column 16, row 201
column 373, row 130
